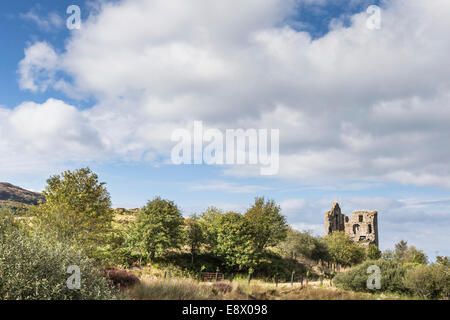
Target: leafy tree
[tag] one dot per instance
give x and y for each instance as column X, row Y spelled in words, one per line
column 209, row 223
column 401, row 249
column 373, row 253
column 268, row 226
column 409, row 254
column 388, row 255
column 158, row 227
column 416, row 256
column 343, row 250
column 443, row 261
column 77, row 209
column 194, row 235
column 234, row 242
column 302, row 244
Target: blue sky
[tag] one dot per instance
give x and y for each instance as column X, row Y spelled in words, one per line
column 362, row 113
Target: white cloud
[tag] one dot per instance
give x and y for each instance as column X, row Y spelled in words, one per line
column 37, row 69
column 47, row 22
column 228, row 187
column 355, row 104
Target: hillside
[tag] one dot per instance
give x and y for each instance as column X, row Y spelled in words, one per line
column 10, row 194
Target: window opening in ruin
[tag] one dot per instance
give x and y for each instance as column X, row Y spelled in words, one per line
column 356, row 228
column 370, row 228
column 360, row 218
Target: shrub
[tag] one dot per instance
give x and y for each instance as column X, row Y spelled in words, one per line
column 222, row 287
column 33, row 268
column 392, row 274
column 429, row 282
column 121, row 278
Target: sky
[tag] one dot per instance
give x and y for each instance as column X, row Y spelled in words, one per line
column 363, row 113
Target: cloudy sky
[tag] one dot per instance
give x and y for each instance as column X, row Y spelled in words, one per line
column 363, row 114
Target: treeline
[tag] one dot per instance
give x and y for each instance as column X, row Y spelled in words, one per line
column 77, row 216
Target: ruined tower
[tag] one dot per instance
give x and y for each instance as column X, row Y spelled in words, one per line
column 361, row 226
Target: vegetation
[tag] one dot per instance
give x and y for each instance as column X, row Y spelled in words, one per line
column 155, row 253
column 33, row 268
column 342, row 250
column 77, row 210
column 158, row 228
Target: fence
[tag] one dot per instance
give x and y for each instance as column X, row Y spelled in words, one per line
column 211, row 276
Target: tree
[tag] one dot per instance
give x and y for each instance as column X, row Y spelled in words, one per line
column 303, row 244
column 209, row 223
column 373, row 253
column 443, row 261
column 409, row 254
column 77, row 209
column 401, row 250
column 234, row 242
column 416, row 256
column 158, row 227
column 388, row 255
column 194, row 235
column 343, row 250
column 268, row 226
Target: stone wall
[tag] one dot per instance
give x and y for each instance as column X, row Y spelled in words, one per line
column 361, row 226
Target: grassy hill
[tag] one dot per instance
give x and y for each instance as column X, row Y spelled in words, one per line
column 16, row 197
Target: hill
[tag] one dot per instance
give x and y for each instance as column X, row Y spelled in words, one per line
column 10, row 194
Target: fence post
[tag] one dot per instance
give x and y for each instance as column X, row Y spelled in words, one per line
column 165, row 275
column 292, row 278
column 276, row 280
column 231, row 277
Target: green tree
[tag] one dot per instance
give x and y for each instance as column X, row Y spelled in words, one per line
column 443, row 261
column 343, row 250
column 401, row 249
column 194, row 235
column 77, row 209
column 414, row 255
column 303, row 245
column 158, row 227
column 388, row 255
column 373, row 253
column 234, row 242
column 209, row 223
column 268, row 225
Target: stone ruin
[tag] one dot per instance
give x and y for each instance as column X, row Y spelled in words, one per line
column 361, row 226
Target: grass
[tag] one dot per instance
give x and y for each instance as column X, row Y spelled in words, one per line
column 152, row 288
column 174, row 289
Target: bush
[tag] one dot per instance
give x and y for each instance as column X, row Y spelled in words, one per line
column 221, row 287
column 121, row 278
column 392, row 274
column 32, row 268
column 429, row 282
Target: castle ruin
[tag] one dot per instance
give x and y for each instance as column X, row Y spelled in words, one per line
column 361, row 226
